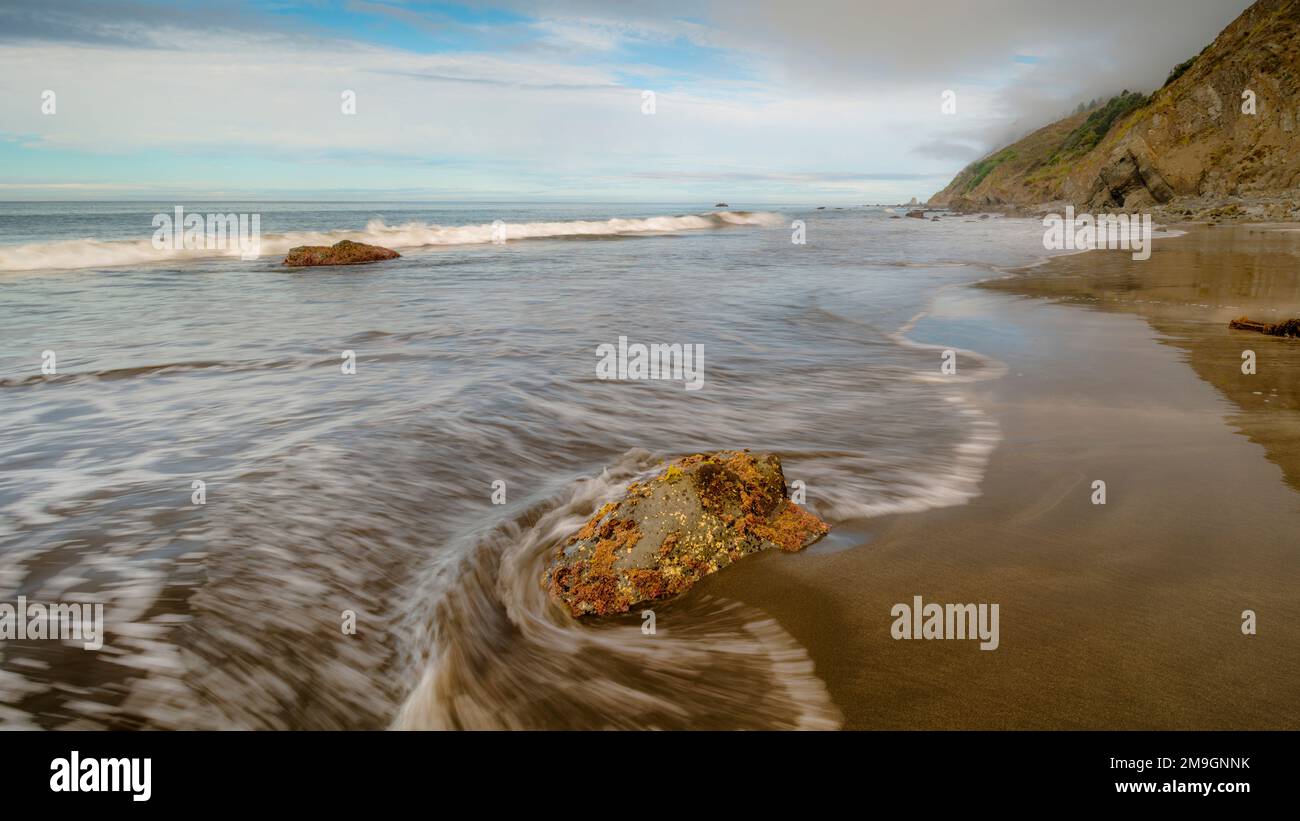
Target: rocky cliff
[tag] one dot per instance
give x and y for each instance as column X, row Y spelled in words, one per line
column 1226, row 124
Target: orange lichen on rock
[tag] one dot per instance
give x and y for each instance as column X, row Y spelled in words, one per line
column 695, row 516
column 792, row 528
column 667, row 546
column 589, row 529
column 594, row 581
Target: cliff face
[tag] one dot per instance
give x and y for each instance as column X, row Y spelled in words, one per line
column 1194, row 137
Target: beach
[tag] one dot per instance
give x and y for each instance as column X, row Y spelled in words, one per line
column 389, row 455
column 441, row 374
column 1126, row 615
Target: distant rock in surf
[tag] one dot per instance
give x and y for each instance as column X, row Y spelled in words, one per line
column 344, row 252
column 720, row 205
column 1290, row 327
column 915, row 214
column 695, row 517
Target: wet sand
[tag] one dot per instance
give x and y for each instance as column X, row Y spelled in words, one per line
column 1125, row 615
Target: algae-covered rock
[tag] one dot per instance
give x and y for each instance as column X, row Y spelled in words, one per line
column 695, row 517
column 344, row 252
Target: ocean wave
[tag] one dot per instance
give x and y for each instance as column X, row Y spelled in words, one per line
column 93, row 253
column 494, row 652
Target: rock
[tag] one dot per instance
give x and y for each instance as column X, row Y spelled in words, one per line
column 895, row 217
column 720, row 205
column 1290, row 327
column 344, row 252
column 1129, row 181
column 695, row 517
column 916, row 214
column 934, row 219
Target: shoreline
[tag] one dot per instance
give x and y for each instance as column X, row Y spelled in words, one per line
column 1118, row 616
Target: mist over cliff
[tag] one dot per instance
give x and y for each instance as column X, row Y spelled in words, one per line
column 1223, row 125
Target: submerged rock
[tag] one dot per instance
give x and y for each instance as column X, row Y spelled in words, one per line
column 695, row 517
column 344, row 252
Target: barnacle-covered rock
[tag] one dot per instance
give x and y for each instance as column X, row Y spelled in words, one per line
column 695, row 517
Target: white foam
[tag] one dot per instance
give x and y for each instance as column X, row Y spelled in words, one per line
column 93, row 253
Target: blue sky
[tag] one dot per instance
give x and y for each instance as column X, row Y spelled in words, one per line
column 828, row 101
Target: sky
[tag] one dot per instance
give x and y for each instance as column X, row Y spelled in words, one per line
column 756, row 101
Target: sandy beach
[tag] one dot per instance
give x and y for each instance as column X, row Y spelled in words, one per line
column 1126, row 615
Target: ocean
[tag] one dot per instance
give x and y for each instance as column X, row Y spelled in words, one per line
column 350, row 425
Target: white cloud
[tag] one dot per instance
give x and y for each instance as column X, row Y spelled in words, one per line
column 847, row 92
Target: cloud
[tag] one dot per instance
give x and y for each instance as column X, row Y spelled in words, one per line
column 130, row 24
column 767, row 176
column 1040, row 58
column 770, row 96
column 944, row 149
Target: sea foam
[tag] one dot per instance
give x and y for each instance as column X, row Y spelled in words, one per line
column 93, row 253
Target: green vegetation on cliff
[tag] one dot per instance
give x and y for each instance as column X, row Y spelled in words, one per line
column 1191, row 138
column 1084, row 138
column 982, row 168
column 1181, row 68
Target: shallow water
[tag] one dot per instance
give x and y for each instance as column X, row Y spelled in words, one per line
column 372, row 492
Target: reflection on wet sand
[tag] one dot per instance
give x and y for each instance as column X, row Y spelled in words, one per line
column 1189, row 291
column 1126, row 615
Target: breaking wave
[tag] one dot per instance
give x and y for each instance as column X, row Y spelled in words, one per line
column 93, row 253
